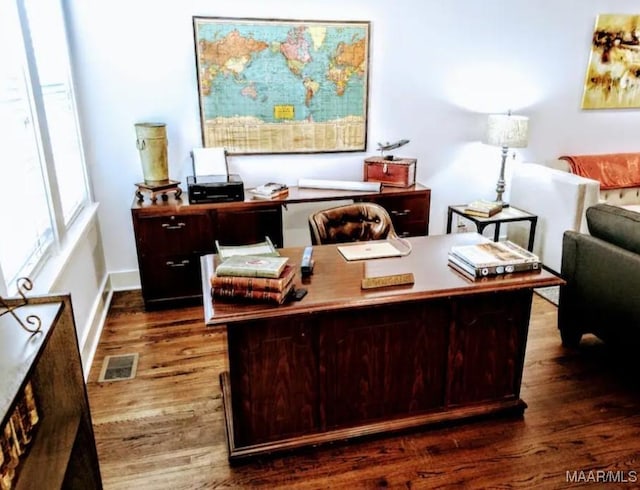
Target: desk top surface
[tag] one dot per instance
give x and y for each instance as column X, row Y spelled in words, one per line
column 335, row 283
column 296, row 195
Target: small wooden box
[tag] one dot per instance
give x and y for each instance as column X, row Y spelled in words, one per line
column 399, row 172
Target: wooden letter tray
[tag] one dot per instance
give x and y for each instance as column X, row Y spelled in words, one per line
column 399, row 172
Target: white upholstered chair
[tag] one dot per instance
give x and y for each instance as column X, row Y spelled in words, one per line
column 558, row 198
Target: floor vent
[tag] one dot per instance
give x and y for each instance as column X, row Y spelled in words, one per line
column 118, row 368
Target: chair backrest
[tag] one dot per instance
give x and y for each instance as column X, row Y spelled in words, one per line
column 351, row 223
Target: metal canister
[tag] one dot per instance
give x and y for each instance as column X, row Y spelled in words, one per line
column 152, row 145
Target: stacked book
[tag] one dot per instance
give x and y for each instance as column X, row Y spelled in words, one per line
column 16, row 436
column 270, row 190
column 252, row 277
column 482, row 208
column 492, row 259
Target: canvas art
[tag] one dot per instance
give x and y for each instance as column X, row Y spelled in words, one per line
column 613, row 74
column 282, row 86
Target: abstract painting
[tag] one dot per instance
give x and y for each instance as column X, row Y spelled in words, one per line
column 613, row 74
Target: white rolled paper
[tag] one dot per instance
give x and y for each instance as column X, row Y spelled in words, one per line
column 346, row 185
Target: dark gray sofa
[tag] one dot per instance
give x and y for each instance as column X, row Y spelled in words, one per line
column 602, row 271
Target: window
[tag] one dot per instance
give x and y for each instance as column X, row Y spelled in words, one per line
column 42, row 166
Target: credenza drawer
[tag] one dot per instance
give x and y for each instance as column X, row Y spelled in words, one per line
column 410, row 214
column 175, row 234
column 171, row 276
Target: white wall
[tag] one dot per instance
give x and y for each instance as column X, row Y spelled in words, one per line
column 85, row 278
column 436, row 69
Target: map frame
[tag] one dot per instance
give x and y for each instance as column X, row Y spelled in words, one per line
column 247, row 134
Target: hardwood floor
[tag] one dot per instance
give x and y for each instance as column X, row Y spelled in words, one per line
column 164, row 429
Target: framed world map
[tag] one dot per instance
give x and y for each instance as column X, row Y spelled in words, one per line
column 282, row 86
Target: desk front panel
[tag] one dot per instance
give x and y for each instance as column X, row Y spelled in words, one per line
column 275, row 376
column 358, row 368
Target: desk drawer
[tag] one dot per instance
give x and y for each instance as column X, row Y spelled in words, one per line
column 410, row 214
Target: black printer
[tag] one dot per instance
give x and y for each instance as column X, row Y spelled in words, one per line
column 215, row 188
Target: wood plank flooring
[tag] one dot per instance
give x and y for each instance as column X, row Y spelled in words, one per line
column 164, row 429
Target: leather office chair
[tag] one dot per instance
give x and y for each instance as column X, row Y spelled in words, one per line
column 351, row 223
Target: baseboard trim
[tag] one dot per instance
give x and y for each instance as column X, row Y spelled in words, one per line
column 114, row 281
column 124, row 280
column 89, row 342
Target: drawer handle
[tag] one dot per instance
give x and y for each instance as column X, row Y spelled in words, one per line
column 182, row 263
column 406, row 212
column 177, row 226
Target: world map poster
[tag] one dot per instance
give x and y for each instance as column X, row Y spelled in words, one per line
column 284, row 86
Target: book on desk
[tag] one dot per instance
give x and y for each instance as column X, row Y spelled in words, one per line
column 492, row 259
column 253, row 277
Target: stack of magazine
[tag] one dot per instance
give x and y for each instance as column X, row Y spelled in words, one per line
column 261, row 275
column 270, row 190
column 492, row 259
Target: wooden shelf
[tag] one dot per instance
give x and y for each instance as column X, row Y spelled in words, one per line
column 62, row 452
column 46, row 462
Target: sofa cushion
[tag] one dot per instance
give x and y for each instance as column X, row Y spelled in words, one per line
column 615, row 225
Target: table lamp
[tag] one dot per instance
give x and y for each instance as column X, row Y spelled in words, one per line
column 506, row 131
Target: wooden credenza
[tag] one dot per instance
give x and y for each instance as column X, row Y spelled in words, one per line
column 62, row 451
column 171, row 235
column 346, row 362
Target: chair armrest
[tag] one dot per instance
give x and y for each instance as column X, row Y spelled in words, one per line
column 559, row 199
column 602, row 291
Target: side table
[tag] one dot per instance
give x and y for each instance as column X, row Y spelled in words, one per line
column 507, row 215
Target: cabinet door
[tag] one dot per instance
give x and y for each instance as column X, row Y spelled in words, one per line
column 410, row 213
column 169, row 250
column 242, row 227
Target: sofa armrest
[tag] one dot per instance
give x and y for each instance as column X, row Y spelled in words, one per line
column 602, row 291
column 558, row 198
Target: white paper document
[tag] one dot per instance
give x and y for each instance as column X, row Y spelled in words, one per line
column 369, row 250
column 209, row 161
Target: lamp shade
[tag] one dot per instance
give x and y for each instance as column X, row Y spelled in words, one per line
column 507, row 130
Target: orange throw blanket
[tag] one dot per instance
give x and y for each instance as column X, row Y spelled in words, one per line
column 613, row 170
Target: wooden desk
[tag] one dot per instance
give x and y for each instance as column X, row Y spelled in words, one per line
column 171, row 235
column 344, row 362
